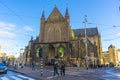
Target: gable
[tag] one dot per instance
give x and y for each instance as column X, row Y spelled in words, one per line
column 55, row 15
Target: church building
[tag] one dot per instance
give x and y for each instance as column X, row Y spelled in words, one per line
column 58, row 41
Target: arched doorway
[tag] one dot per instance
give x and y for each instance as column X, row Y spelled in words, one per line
column 51, row 54
column 51, row 51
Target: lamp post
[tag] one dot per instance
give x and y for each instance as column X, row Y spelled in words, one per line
column 86, row 51
column 21, row 61
column 21, row 50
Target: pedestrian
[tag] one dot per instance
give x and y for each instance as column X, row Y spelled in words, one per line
column 33, row 65
column 15, row 66
column 56, row 69
column 20, row 65
column 62, row 69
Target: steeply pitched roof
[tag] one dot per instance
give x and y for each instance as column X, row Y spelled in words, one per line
column 111, row 46
column 89, row 32
column 55, row 14
column 67, row 13
column 43, row 14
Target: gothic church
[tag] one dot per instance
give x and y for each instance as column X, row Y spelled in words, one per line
column 59, row 41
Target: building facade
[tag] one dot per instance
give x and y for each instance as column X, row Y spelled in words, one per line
column 106, row 57
column 58, row 40
column 113, row 55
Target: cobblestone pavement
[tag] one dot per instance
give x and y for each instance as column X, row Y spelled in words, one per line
column 71, row 74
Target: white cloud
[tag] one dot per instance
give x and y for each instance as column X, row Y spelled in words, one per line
column 27, row 28
column 6, row 34
column 7, row 26
column 7, row 29
column 12, row 37
column 118, row 33
column 6, row 46
column 10, row 47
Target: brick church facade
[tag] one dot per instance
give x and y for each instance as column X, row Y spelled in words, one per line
column 58, row 40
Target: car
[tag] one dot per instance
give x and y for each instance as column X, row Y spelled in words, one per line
column 3, row 68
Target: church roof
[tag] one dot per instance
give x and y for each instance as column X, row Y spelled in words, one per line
column 111, row 46
column 89, row 32
column 55, row 14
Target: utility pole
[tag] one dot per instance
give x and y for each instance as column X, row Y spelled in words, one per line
column 86, row 51
column 79, row 52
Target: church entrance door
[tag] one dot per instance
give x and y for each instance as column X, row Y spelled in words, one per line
column 51, row 54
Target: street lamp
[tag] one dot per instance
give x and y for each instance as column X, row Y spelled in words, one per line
column 86, row 52
column 21, row 59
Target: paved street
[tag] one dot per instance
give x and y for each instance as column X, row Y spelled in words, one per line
column 74, row 74
column 112, row 74
column 14, row 76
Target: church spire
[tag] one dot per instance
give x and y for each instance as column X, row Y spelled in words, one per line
column 31, row 38
column 43, row 14
column 67, row 13
column 67, row 17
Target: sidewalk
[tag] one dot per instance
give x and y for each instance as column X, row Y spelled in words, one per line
column 48, row 74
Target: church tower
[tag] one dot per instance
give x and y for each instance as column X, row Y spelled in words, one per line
column 67, row 20
column 42, row 24
column 67, row 17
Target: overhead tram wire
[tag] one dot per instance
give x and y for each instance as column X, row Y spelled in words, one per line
column 12, row 12
column 33, row 17
column 111, row 34
column 108, row 26
column 118, row 3
column 114, row 26
column 37, row 17
column 19, row 16
column 111, row 39
column 16, row 15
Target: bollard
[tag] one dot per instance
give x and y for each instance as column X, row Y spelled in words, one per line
column 41, row 66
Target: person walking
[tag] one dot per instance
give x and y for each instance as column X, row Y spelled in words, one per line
column 56, row 69
column 62, row 69
column 33, row 65
column 15, row 66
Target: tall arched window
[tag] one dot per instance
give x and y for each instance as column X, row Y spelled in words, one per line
column 57, row 34
column 50, row 35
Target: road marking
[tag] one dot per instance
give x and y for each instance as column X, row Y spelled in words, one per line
column 51, row 77
column 110, row 75
column 4, row 78
column 72, row 73
column 69, row 73
column 16, row 78
column 25, row 77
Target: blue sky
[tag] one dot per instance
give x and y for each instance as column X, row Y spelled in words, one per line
column 20, row 19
